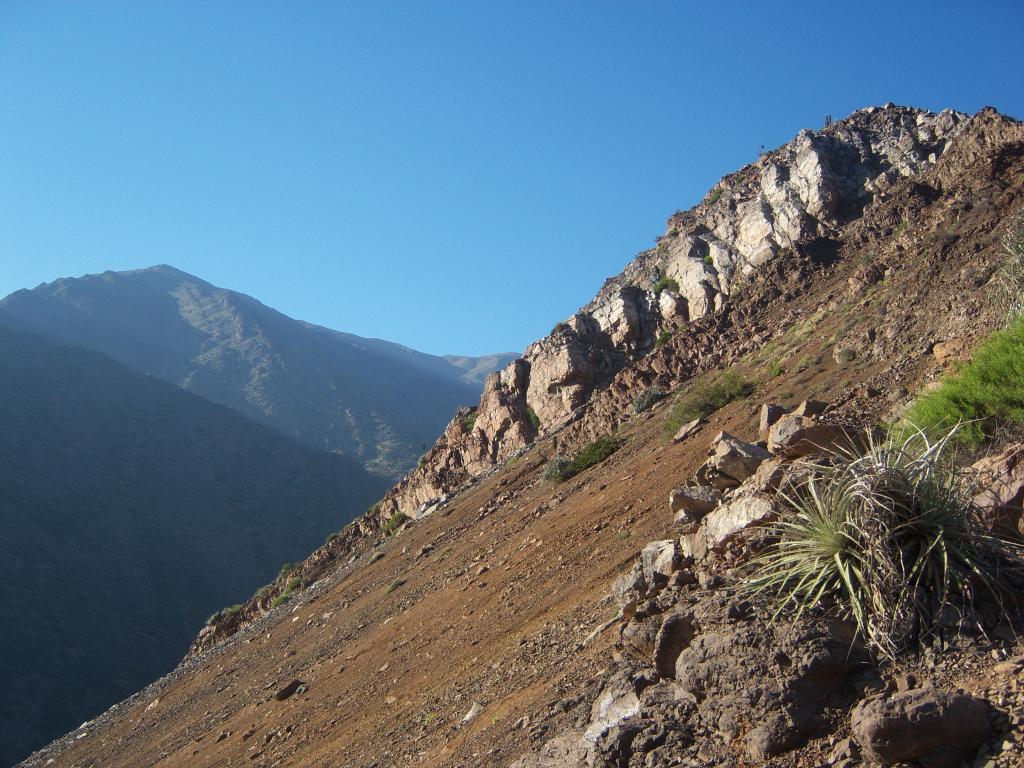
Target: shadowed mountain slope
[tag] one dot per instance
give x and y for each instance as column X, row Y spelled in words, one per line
column 131, row 510
column 377, row 401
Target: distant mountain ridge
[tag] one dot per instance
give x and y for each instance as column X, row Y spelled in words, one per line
column 131, row 511
column 377, row 401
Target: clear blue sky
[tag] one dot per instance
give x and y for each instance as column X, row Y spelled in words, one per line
column 455, row 176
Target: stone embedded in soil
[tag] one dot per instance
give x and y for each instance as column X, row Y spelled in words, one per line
column 935, row 728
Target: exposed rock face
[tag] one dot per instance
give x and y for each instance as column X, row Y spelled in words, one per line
column 795, row 196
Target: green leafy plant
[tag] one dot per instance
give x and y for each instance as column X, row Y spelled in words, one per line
column 286, row 569
column 294, row 583
column 706, row 395
column 891, row 537
column 561, row 469
column 708, row 260
column 985, row 396
column 281, row 599
column 716, row 193
column 663, row 338
column 469, row 421
column 394, row 522
column 666, row 284
column 647, row 398
column 775, row 368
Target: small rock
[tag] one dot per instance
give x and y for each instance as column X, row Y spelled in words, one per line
column 688, row 429
column 289, row 690
column 473, row 712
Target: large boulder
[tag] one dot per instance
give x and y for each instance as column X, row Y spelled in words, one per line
column 691, row 503
column 935, row 728
column 794, row 436
column 733, row 458
column 1002, row 478
column 659, row 560
column 726, row 522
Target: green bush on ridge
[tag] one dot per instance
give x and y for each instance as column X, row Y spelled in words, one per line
column 561, row 469
column 706, row 395
column 984, row 396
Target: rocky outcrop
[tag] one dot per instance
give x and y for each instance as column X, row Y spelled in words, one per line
column 796, row 196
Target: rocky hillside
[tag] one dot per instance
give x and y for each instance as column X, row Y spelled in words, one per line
column 379, row 402
column 132, row 511
column 491, row 612
column 793, row 204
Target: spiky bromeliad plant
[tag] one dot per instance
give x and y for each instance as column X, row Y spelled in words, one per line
column 891, row 537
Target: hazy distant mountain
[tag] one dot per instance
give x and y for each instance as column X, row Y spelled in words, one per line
column 131, row 511
column 377, row 401
column 477, row 368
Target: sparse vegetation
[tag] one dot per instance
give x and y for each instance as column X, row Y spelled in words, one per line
column 985, row 396
column 706, row 395
column 375, row 557
column 666, row 284
column 845, row 355
column 394, row 522
column 559, row 328
column 1011, row 274
column 716, row 193
column 561, row 469
column 891, row 537
column 394, row 585
column 469, row 421
column 708, row 260
column 331, row 537
column 531, row 415
column 281, row 599
column 286, row 569
column 647, row 398
column 775, row 368
column 294, row 583
column 663, row 338
column 804, row 363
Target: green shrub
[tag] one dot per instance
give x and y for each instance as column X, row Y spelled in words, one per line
column 708, row 260
column 395, row 522
column 561, row 469
column 706, row 395
column 286, row 569
column 663, row 338
column 375, row 557
column 891, row 536
column 666, row 284
column 647, row 398
column 294, row 583
column 281, row 599
column 559, row 328
column 394, row 585
column 716, row 193
column 533, row 417
column 469, row 421
column 775, row 367
column 985, row 396
column 804, row 363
